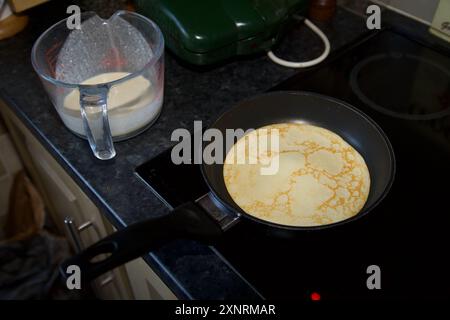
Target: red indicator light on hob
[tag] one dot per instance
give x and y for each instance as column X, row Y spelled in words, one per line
column 315, row 296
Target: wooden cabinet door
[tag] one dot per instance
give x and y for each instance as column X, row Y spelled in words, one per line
column 65, row 199
column 146, row 285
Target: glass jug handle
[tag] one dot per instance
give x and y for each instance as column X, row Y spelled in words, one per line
column 93, row 102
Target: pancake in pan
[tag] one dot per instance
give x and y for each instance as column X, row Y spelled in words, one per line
column 321, row 178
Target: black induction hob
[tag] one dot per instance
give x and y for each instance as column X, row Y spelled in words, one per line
column 405, row 87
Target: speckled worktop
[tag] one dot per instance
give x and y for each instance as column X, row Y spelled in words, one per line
column 190, row 269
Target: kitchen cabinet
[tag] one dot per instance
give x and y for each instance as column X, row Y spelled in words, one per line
column 22, row 5
column 10, row 164
column 65, row 201
column 146, row 285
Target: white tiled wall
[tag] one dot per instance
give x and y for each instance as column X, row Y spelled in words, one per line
column 422, row 9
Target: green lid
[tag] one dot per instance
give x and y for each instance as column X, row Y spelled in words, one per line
column 207, row 31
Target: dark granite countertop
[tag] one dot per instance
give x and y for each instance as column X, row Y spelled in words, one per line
column 190, row 269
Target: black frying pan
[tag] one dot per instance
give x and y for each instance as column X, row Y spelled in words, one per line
column 191, row 221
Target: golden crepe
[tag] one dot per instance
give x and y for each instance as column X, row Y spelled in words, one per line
column 321, row 179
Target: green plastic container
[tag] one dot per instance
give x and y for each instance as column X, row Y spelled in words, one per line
column 204, row 32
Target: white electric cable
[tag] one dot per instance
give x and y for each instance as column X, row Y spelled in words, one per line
column 305, row 64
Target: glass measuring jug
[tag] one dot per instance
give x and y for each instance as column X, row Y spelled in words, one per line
column 105, row 78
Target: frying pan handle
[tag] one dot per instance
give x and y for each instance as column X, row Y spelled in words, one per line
column 186, row 221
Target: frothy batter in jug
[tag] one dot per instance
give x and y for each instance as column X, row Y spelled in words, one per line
column 132, row 104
